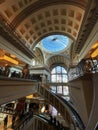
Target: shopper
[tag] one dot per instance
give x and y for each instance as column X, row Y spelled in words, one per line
column 5, row 121
column 25, row 71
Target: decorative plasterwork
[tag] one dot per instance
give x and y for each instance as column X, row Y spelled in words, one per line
column 42, row 17
column 45, row 22
column 33, row 20
column 57, row 60
column 89, row 23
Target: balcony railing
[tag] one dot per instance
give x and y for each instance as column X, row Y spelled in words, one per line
column 85, row 66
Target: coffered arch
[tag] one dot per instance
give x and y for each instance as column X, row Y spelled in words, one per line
column 57, row 60
column 36, row 5
column 32, row 19
column 44, row 22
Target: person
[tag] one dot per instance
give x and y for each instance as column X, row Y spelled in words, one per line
column 72, row 127
column 7, row 70
column 13, row 74
column 25, row 71
column 20, row 108
column 54, row 120
column 88, row 66
column 13, row 120
column 1, row 70
column 51, row 118
column 5, row 121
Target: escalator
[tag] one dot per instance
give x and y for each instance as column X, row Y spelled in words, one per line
column 69, row 114
column 46, row 120
column 54, row 122
column 77, row 118
column 20, row 123
column 38, row 121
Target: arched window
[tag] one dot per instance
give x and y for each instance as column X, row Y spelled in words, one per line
column 59, row 78
column 59, row 75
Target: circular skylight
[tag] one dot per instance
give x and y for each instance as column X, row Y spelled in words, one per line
column 55, row 43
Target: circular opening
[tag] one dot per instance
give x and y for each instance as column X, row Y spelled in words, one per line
column 55, row 43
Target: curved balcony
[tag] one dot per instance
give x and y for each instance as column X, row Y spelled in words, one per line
column 14, row 88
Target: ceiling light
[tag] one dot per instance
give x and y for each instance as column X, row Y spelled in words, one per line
column 29, row 96
column 9, row 59
column 95, row 53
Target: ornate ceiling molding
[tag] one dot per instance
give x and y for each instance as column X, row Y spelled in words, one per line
column 89, row 21
column 57, row 60
column 42, row 4
column 9, row 35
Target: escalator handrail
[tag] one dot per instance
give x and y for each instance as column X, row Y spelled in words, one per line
column 43, row 117
column 23, row 121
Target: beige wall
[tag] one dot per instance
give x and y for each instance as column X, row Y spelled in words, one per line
column 81, row 93
column 93, row 119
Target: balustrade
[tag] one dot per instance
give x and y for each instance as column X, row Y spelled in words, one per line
column 85, row 66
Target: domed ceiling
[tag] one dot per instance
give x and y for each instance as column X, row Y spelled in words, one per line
column 33, row 20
